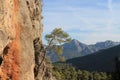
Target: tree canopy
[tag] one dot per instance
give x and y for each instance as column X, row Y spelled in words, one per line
column 57, row 37
column 55, row 40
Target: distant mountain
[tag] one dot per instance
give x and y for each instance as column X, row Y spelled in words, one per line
column 104, row 45
column 76, row 49
column 103, row 60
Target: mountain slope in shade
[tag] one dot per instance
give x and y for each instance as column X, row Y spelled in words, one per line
column 77, row 49
column 103, row 60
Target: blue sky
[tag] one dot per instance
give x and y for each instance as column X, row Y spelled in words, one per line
column 88, row 21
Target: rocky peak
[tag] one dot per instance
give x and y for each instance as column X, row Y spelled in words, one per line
column 106, row 44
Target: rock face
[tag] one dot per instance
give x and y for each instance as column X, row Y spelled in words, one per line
column 20, row 24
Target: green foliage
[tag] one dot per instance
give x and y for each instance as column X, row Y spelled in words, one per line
column 58, row 50
column 66, row 72
column 55, row 39
column 57, row 36
column 96, row 76
column 63, row 71
column 85, row 75
column 62, row 58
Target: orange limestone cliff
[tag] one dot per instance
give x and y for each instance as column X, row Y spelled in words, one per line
column 20, row 24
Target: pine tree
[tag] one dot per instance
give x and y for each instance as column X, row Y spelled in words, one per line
column 55, row 39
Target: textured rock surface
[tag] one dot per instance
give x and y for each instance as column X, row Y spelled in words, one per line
column 43, row 67
column 20, row 24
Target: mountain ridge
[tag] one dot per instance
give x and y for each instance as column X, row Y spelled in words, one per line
column 76, row 48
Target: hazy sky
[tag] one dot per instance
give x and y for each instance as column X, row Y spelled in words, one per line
column 88, row 21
